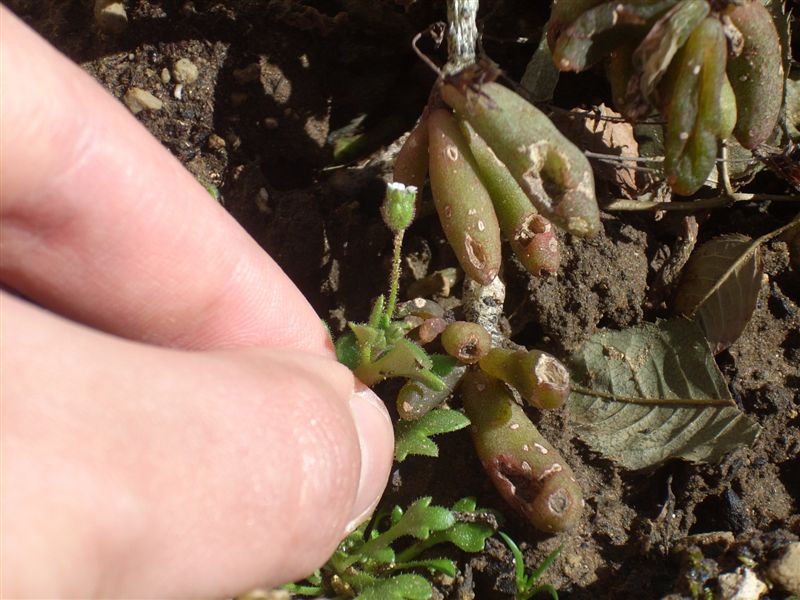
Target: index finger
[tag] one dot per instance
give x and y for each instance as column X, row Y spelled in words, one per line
column 100, row 223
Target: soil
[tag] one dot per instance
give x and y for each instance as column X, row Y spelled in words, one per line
column 281, row 80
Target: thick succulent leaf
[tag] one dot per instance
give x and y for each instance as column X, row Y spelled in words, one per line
column 693, row 86
column 757, row 73
column 407, row 586
column 550, row 169
column 413, row 437
column 651, row 393
column 597, row 31
column 464, row 206
column 719, row 287
column 659, row 46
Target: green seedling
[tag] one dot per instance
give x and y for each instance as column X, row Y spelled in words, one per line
column 413, row 437
column 377, row 560
column 379, row 348
column 526, row 587
column 526, row 469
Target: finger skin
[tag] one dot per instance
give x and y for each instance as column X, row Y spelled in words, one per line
column 100, row 223
column 134, row 471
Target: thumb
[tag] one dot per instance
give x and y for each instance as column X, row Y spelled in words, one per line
column 135, row 471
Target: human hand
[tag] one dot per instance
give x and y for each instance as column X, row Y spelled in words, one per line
column 174, row 423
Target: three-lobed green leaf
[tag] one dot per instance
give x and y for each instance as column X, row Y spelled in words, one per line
column 406, row 586
column 413, row 437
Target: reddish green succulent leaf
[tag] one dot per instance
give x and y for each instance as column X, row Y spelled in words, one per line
column 464, row 206
column 526, row 469
column 756, row 74
column 719, row 287
column 411, row 163
column 530, row 235
column 550, row 169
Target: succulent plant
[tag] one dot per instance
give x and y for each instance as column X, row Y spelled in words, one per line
column 711, row 69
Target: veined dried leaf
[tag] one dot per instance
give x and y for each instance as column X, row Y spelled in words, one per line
column 611, row 136
column 719, row 287
column 653, row 393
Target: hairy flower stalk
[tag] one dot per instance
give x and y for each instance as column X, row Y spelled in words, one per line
column 541, row 380
column 526, row 469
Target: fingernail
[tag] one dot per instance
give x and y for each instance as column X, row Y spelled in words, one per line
column 376, row 439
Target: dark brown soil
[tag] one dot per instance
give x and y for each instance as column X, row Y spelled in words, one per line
column 276, row 79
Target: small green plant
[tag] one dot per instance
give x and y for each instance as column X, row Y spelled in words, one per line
column 526, row 582
column 379, row 348
column 374, row 562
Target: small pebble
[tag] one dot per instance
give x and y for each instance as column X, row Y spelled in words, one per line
column 165, row 76
column 785, row 571
column 137, row 100
column 742, row 584
column 110, row 16
column 177, row 93
column 215, row 142
column 185, row 71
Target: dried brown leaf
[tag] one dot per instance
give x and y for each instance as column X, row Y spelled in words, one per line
column 719, row 287
column 608, row 134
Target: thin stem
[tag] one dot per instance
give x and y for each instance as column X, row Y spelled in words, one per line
column 701, row 204
column 462, row 34
column 394, row 282
column 724, row 172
